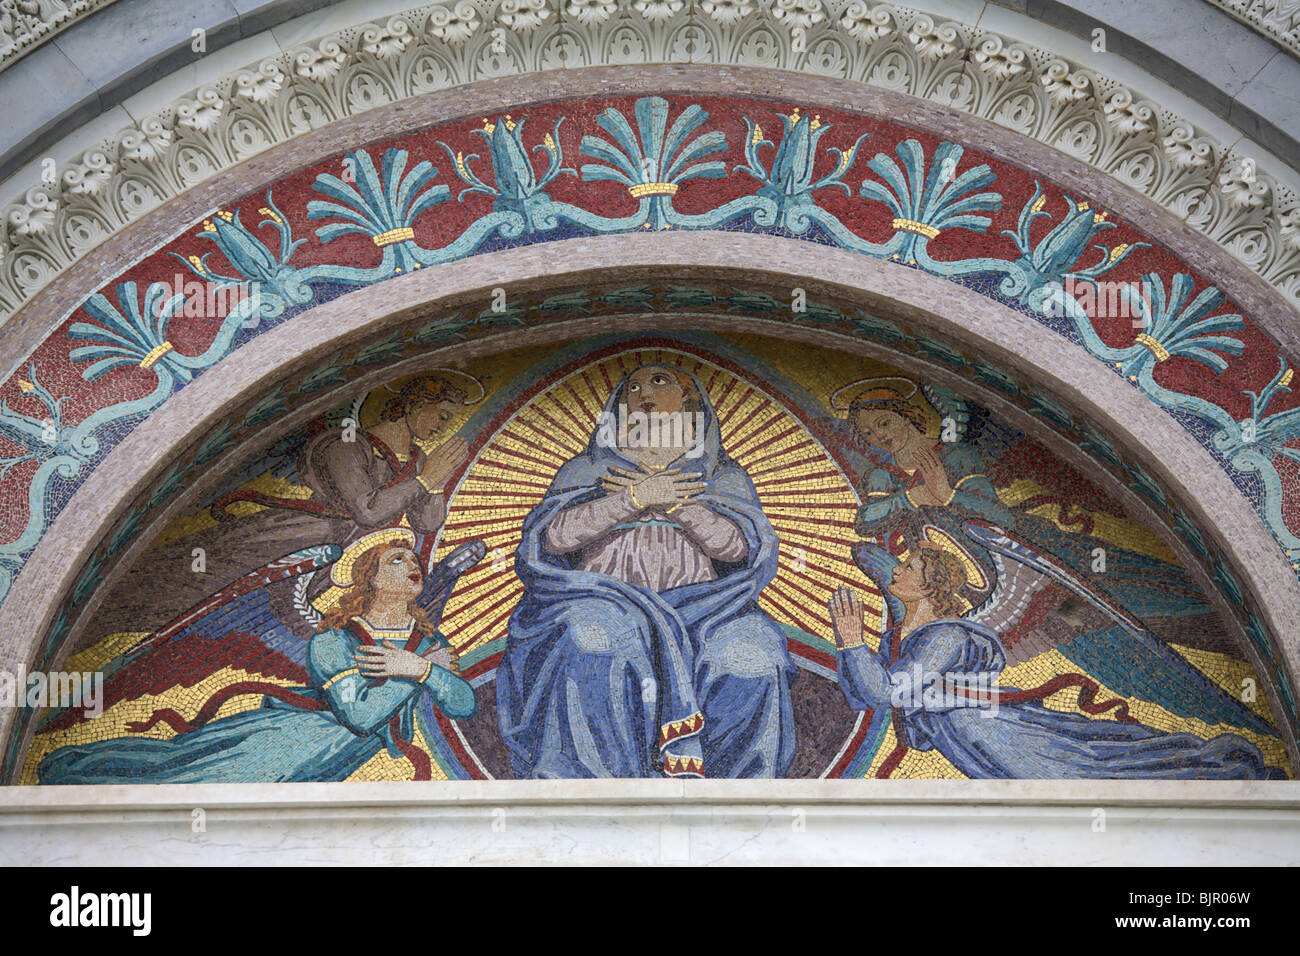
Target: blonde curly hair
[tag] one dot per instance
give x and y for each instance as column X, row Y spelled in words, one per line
column 420, row 391
column 943, row 576
column 356, row 600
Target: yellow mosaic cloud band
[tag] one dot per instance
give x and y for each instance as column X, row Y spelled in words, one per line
column 155, row 353
column 653, row 189
column 394, row 235
column 920, row 228
column 1159, row 351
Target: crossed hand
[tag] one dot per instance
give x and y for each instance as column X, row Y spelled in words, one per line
column 377, row 661
column 655, row 489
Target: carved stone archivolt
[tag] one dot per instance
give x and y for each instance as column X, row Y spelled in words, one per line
column 1279, row 20
column 26, row 24
column 1222, row 190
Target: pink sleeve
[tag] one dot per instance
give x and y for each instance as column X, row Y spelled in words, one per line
column 579, row 525
column 716, row 535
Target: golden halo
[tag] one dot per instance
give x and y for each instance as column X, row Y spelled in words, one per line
column 887, row 386
column 341, row 571
column 482, row 392
column 975, row 576
column 376, row 398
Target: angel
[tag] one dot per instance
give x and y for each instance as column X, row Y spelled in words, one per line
column 930, row 643
column 386, row 461
column 929, row 458
column 373, row 677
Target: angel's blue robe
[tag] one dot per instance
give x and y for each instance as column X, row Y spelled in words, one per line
column 279, row 742
column 1024, row 739
column 601, row 678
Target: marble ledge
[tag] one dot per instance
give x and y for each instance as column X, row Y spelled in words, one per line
column 1202, row 794
column 657, row 822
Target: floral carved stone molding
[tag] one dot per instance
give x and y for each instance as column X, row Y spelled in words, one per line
column 26, row 24
column 1219, row 189
column 1279, row 20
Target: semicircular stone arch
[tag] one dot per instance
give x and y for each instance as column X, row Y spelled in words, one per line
column 355, row 343
column 716, row 166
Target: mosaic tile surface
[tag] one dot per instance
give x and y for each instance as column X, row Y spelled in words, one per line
column 698, row 632
column 616, row 165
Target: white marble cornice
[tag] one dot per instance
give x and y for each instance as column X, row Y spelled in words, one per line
column 26, row 24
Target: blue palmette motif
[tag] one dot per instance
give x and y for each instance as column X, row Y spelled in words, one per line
column 134, row 336
column 654, row 155
column 652, row 162
column 382, row 204
column 789, row 182
column 927, row 201
column 126, row 335
column 1254, row 443
column 276, row 284
column 1175, row 323
column 518, row 189
column 61, row 450
column 1044, row 266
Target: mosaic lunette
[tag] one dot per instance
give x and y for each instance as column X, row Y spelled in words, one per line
column 832, row 474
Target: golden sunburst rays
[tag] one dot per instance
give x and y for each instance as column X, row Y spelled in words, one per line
column 805, row 496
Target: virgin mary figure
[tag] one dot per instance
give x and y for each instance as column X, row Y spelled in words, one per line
column 638, row 648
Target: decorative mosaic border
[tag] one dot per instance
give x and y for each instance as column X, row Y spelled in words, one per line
column 375, row 213
column 930, row 194
column 928, row 204
column 556, row 305
column 1219, row 190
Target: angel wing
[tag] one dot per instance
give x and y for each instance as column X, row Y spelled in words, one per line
column 237, row 627
column 949, row 405
column 1037, row 604
column 442, row 577
column 839, row 435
